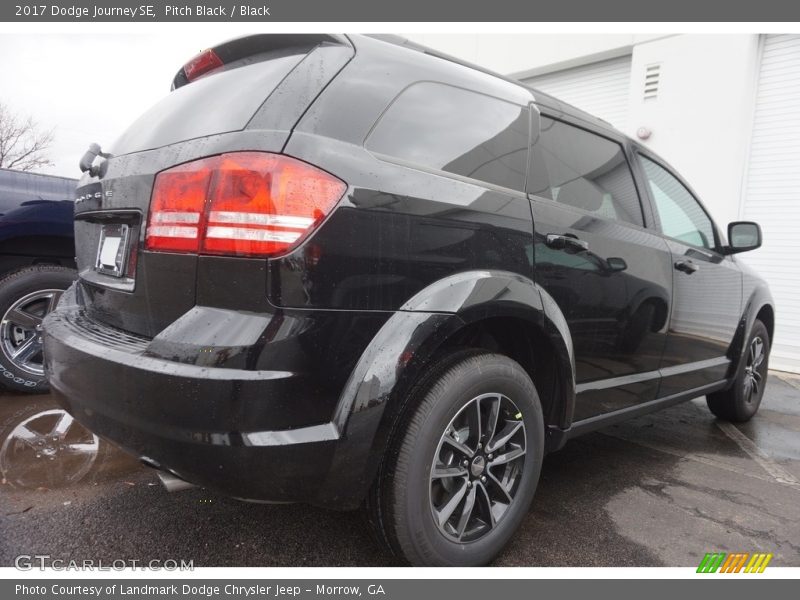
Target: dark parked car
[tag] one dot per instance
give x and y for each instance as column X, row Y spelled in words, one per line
column 37, row 263
column 345, row 270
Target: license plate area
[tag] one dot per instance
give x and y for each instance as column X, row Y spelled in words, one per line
column 112, row 250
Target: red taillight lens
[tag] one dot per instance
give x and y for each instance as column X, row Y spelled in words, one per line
column 203, row 63
column 178, row 205
column 240, row 204
column 264, row 203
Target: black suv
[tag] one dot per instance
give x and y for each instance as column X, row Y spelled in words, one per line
column 350, row 270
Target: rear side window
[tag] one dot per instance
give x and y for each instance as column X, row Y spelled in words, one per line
column 444, row 128
column 587, row 171
column 218, row 103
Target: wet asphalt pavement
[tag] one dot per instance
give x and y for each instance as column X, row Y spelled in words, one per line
column 661, row 490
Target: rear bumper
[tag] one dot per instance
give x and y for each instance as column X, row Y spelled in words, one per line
column 238, row 431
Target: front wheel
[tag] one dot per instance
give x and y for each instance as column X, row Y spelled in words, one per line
column 463, row 468
column 740, row 402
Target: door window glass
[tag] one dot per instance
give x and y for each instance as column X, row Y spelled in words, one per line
column 587, row 171
column 680, row 214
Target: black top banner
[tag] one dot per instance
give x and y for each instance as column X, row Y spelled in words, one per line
column 407, row 10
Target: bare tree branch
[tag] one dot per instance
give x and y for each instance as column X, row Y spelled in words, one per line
column 23, row 145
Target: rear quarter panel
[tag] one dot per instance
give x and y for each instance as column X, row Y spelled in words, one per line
column 399, row 228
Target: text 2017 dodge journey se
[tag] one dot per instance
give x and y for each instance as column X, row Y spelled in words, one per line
column 345, row 270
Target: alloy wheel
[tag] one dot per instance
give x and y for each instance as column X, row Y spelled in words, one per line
column 21, row 330
column 477, row 468
column 753, row 371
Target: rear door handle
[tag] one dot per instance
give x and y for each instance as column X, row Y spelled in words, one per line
column 560, row 242
column 687, row 266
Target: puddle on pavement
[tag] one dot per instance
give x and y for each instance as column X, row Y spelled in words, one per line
column 43, row 448
column 626, row 495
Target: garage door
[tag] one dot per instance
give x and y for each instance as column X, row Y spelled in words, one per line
column 772, row 192
column 600, row 88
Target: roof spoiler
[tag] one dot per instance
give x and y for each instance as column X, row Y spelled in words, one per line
column 244, row 47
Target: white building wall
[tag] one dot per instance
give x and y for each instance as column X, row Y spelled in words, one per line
column 525, row 55
column 702, row 118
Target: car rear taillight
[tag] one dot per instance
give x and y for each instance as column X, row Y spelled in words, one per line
column 203, row 63
column 239, row 204
column 178, row 205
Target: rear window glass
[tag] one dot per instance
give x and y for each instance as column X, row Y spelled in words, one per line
column 458, row 131
column 217, row 103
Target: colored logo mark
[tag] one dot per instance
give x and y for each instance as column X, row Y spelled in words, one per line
column 737, row 562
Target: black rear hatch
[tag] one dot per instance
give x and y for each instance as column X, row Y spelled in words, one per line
column 251, row 102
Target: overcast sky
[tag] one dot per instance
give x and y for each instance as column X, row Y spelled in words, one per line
column 90, row 87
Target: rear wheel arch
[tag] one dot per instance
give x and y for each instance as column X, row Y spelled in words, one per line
column 506, row 313
column 474, row 312
column 481, row 309
column 527, row 343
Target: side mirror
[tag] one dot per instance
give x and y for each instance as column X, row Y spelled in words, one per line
column 616, row 264
column 742, row 236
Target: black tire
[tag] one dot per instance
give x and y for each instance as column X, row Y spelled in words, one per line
column 741, row 401
column 401, row 504
column 27, row 289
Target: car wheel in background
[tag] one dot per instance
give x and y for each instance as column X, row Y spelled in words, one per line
column 26, row 296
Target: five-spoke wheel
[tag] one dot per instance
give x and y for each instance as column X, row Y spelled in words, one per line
column 47, row 449
column 21, row 330
column 26, row 297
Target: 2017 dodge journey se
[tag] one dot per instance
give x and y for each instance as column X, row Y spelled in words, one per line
column 348, row 270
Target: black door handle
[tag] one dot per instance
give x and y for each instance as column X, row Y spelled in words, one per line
column 687, row 266
column 561, row 242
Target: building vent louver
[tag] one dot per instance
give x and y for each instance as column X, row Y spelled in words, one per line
column 652, row 75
